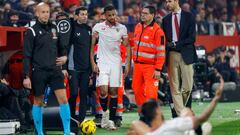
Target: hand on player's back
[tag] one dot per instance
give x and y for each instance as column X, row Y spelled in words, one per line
column 61, row 60
column 95, row 68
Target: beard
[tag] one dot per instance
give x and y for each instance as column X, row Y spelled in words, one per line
column 112, row 21
column 43, row 21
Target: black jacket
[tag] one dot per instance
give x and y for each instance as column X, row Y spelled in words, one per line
column 80, row 43
column 187, row 36
column 42, row 47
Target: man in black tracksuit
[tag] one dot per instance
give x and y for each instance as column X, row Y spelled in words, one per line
column 78, row 65
column 44, row 51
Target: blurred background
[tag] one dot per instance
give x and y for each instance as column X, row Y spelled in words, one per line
column 217, row 41
column 210, row 14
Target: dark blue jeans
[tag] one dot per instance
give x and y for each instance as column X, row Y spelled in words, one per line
column 78, row 80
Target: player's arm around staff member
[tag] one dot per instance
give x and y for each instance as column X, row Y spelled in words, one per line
column 110, row 34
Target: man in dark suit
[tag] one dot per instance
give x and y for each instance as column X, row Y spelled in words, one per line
column 179, row 28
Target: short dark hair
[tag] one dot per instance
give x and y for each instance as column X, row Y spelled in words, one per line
column 151, row 9
column 109, row 8
column 211, row 54
column 222, row 48
column 13, row 12
column 78, row 10
column 231, row 51
column 149, row 111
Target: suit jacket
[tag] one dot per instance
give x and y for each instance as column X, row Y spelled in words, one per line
column 187, row 34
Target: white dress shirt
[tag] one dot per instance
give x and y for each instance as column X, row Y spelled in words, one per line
column 174, row 34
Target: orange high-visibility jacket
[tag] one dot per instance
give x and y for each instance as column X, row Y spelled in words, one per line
column 149, row 45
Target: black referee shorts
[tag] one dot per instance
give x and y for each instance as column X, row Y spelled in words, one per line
column 41, row 78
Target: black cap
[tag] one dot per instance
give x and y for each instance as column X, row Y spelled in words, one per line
column 61, row 14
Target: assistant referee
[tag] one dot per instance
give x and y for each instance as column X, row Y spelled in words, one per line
column 46, row 54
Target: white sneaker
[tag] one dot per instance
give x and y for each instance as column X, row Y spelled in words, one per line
column 106, row 123
column 111, row 125
column 189, row 132
column 206, row 128
column 105, row 119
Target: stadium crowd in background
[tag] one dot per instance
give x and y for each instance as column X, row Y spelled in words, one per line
column 209, row 13
column 219, row 61
column 209, row 16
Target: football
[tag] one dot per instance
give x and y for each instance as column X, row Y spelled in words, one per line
column 88, row 127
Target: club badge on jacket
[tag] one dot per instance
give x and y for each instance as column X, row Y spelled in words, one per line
column 54, row 34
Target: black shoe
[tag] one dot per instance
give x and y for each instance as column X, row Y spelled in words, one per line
column 23, row 129
column 142, row 119
column 98, row 121
column 118, row 122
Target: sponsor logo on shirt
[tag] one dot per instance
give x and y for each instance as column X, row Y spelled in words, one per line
column 117, row 29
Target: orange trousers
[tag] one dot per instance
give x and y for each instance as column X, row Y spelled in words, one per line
column 144, row 85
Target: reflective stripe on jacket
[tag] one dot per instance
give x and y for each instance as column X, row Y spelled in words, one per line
column 149, row 45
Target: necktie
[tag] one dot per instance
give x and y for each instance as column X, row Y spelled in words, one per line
column 176, row 25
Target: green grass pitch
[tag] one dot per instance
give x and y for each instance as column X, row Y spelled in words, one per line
column 224, row 120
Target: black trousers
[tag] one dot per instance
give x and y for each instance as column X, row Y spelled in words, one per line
column 17, row 102
column 78, row 81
